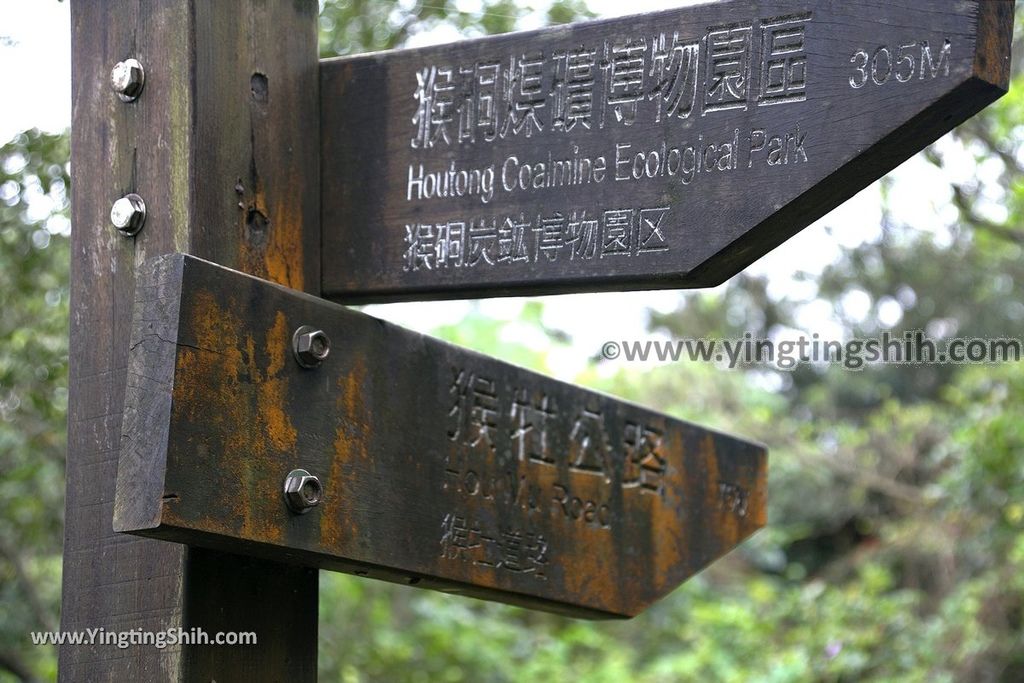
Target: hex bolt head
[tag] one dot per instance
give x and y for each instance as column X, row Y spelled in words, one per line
column 302, row 491
column 127, row 78
column 310, row 346
column 128, row 214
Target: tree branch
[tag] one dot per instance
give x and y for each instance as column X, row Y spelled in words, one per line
column 979, row 130
column 963, row 204
column 865, row 478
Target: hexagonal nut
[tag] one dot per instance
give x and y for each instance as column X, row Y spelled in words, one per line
column 302, row 491
column 128, row 214
column 127, row 79
column 311, row 346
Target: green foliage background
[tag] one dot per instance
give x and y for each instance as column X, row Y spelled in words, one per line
column 895, row 549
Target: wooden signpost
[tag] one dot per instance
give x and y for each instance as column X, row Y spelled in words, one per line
column 664, row 150
column 221, row 144
column 222, row 404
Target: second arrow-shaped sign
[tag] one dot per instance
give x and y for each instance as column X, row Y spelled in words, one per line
column 435, row 466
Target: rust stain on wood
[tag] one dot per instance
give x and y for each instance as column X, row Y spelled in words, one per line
column 222, row 358
column 350, row 450
column 273, row 394
column 285, row 256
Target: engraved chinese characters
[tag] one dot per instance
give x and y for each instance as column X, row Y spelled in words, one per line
column 521, row 448
column 508, row 240
column 552, row 94
column 547, row 445
column 622, row 81
column 655, row 151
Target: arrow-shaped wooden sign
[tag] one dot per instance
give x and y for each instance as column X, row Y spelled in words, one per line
column 663, row 150
column 437, row 466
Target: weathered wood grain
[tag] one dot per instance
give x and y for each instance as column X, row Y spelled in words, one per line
column 222, row 145
column 441, row 467
column 658, row 151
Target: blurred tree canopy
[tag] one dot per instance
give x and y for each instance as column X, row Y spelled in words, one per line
column 34, row 258
column 895, row 546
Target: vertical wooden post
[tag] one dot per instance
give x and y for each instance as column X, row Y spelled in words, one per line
column 223, row 146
